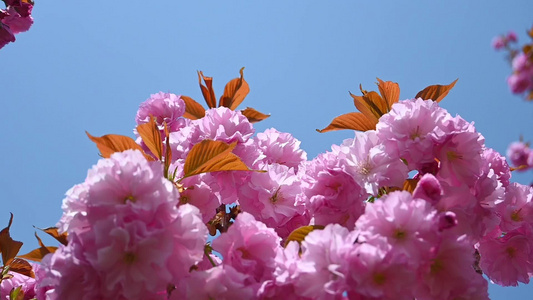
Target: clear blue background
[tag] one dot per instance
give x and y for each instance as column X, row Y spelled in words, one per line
column 85, row 66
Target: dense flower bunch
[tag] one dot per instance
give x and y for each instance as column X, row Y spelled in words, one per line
column 521, row 79
column 16, row 18
column 417, row 208
column 520, row 155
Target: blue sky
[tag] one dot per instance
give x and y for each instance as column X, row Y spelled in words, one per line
column 84, row 66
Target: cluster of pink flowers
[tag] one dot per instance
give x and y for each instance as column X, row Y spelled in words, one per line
column 520, row 155
column 521, row 79
column 134, row 234
column 16, row 18
column 503, row 41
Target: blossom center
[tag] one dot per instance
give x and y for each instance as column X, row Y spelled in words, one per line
column 399, row 234
column 515, row 216
column 129, row 198
column 365, row 168
column 129, row 258
column 415, row 134
column 436, row 266
column 452, row 155
column 511, row 252
column 379, row 278
column 277, row 196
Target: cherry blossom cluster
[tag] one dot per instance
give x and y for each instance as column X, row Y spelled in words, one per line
column 16, row 18
column 520, row 155
column 135, row 234
column 521, row 79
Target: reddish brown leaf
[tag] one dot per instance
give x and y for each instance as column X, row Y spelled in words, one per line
column 39, row 253
column 435, row 92
column 9, row 247
column 390, row 91
column 234, row 92
column 207, row 90
column 111, row 143
column 193, row 109
column 376, row 104
column 361, row 105
column 253, row 115
column 300, row 233
column 151, row 136
column 22, row 267
column 52, row 231
column 168, row 151
column 354, row 121
column 410, row 185
column 212, row 156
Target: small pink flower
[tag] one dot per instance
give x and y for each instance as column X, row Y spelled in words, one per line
column 498, row 42
column 280, row 147
column 511, row 36
column 376, row 273
column 249, row 246
column 323, row 268
column 6, row 35
column 273, row 197
column 370, row 163
column 519, row 82
column 165, row 108
column 449, row 273
column 507, row 260
column 518, row 153
column 27, row 285
column 407, row 224
column 17, row 23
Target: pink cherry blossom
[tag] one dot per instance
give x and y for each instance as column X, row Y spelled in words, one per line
column 409, row 128
column 408, row 225
column 273, row 197
column 249, row 246
column 16, row 21
column 459, row 152
column 369, row 162
column 165, row 108
column 280, row 147
column 518, row 153
column 332, row 195
column 508, row 260
column 222, row 282
column 376, row 273
column 323, row 271
column 26, row 284
column 449, row 273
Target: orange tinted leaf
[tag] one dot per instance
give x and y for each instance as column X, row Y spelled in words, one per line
column 390, row 91
column 22, row 267
column 39, row 253
column 410, row 185
column 530, row 96
column 212, row 156
column 234, row 92
column 435, row 92
column 151, row 136
column 207, row 90
column 354, row 121
column 168, row 151
column 299, row 234
column 9, row 247
column 52, row 231
column 193, row 109
column 377, row 105
column 111, row 143
column 361, row 105
column 253, row 115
